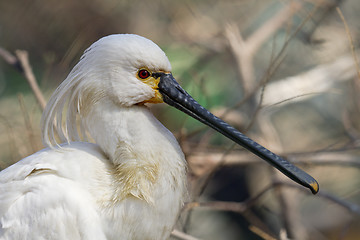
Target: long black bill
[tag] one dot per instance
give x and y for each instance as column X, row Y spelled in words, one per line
column 176, row 96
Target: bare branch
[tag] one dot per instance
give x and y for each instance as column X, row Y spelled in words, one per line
column 204, row 161
column 183, row 236
column 8, row 57
column 23, row 58
column 244, row 50
column 271, row 26
column 320, row 79
column 241, row 207
column 22, row 64
column 351, row 207
column 351, row 42
column 261, row 233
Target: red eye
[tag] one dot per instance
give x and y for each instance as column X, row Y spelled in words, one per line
column 143, row 74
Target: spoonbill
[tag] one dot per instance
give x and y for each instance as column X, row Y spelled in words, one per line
column 130, row 183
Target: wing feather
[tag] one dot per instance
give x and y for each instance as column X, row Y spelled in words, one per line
column 39, row 201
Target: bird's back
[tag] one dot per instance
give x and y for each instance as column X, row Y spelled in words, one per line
column 49, row 195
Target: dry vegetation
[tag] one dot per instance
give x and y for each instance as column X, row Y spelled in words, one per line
column 284, row 72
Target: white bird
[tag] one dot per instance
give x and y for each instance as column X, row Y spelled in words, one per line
column 130, row 184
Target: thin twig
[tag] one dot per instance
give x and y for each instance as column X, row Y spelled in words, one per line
column 215, row 169
column 245, row 49
column 23, row 58
column 351, row 42
column 286, row 210
column 8, row 57
column 183, row 236
column 21, row 63
column 12, row 142
column 277, row 60
column 351, row 207
column 272, row 25
column 349, row 129
column 28, row 124
column 241, row 207
column 260, row 233
column 205, row 160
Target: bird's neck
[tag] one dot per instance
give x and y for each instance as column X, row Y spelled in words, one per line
column 141, row 148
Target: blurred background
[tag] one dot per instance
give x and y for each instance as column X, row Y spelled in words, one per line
column 286, row 73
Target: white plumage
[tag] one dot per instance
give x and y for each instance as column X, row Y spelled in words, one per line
column 129, row 185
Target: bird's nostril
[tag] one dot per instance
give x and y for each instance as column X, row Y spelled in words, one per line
column 157, row 74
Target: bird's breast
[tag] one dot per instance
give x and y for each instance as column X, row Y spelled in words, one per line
column 149, row 190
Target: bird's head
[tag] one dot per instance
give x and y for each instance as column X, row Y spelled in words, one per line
column 129, row 70
column 122, row 67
